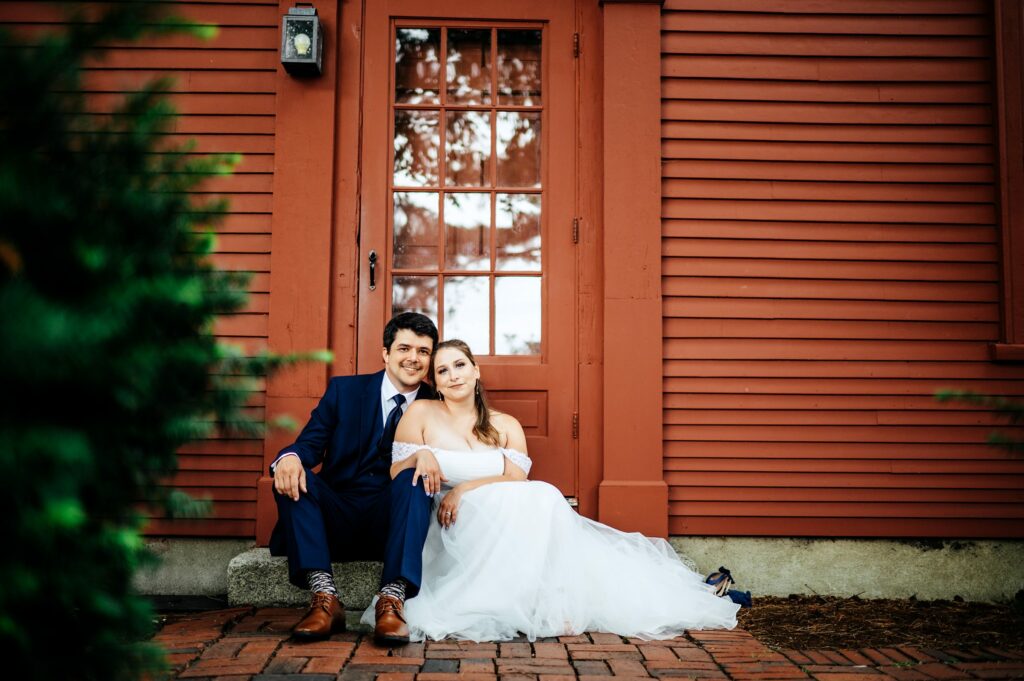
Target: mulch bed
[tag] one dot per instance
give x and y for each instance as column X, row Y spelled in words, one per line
column 813, row 622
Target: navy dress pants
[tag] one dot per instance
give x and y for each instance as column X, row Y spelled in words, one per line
column 386, row 523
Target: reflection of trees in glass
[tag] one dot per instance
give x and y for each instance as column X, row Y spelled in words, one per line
column 468, row 70
column 518, row 149
column 415, row 230
column 519, row 67
column 417, row 65
column 512, row 344
column 469, row 148
column 467, row 225
column 518, row 240
column 467, row 236
column 416, row 148
column 415, row 294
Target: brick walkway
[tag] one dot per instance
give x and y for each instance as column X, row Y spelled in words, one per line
column 253, row 644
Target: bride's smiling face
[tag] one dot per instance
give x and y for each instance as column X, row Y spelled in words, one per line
column 454, row 375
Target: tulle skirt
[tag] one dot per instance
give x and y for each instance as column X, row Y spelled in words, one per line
column 520, row 560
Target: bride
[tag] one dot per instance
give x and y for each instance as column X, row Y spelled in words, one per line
column 509, row 555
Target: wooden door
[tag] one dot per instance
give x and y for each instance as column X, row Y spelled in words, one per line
column 467, row 198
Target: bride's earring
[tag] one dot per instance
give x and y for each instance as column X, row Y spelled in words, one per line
column 440, row 395
column 478, row 387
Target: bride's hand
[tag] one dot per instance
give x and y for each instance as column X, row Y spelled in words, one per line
column 428, row 469
column 449, row 508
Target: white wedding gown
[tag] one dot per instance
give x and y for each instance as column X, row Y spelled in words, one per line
column 519, row 559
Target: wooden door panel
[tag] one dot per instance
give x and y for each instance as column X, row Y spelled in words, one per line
column 530, row 407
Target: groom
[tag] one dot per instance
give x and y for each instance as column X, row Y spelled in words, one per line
column 351, row 509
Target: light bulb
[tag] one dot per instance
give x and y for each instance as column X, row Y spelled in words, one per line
column 302, row 43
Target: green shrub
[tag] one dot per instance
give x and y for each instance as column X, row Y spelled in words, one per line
column 107, row 362
column 1008, row 408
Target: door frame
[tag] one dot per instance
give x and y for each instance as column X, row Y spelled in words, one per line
column 347, row 261
column 589, row 256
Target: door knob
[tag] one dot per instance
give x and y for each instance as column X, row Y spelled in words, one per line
column 373, row 270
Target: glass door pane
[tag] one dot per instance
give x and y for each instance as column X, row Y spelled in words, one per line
column 467, row 187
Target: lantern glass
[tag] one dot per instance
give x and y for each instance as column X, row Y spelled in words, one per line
column 299, row 38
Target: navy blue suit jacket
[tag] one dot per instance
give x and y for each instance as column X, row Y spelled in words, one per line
column 344, row 435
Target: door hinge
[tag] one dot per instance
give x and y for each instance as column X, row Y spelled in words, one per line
column 575, row 230
column 575, row 425
column 575, row 44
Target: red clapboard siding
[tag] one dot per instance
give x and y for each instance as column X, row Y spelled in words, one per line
column 950, row 134
column 830, row 260
column 224, row 90
column 949, row 174
column 827, row 113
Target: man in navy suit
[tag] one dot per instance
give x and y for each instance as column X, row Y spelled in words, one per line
column 351, row 509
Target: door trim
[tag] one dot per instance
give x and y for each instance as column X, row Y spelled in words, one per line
column 633, row 494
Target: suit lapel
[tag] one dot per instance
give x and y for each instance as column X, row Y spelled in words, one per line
column 370, row 424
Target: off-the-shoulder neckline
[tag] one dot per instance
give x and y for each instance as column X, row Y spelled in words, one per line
column 460, row 451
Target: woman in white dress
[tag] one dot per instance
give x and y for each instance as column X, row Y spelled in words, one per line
column 508, row 555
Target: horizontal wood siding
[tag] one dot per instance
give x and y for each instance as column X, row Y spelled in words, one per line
column 831, row 259
column 224, row 91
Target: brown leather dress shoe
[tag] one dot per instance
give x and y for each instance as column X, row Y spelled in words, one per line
column 391, row 629
column 326, row 615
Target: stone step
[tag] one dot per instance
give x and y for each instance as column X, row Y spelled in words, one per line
column 257, row 578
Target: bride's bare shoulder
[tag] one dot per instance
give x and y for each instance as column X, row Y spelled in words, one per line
column 421, row 409
column 507, row 425
column 499, row 417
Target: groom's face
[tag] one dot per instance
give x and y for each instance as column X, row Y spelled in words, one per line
column 408, row 359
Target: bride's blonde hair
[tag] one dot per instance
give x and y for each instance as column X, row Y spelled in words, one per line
column 483, row 429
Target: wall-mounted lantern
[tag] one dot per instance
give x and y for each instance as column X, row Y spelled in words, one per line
column 302, row 41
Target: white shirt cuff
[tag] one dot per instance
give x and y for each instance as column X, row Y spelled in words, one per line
column 273, row 466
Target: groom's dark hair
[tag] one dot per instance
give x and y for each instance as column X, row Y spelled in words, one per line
column 418, row 323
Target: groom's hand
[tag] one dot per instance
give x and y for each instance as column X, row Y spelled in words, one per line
column 428, row 469
column 290, row 477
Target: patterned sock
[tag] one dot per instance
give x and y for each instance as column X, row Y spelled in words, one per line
column 322, row 581
column 395, row 589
